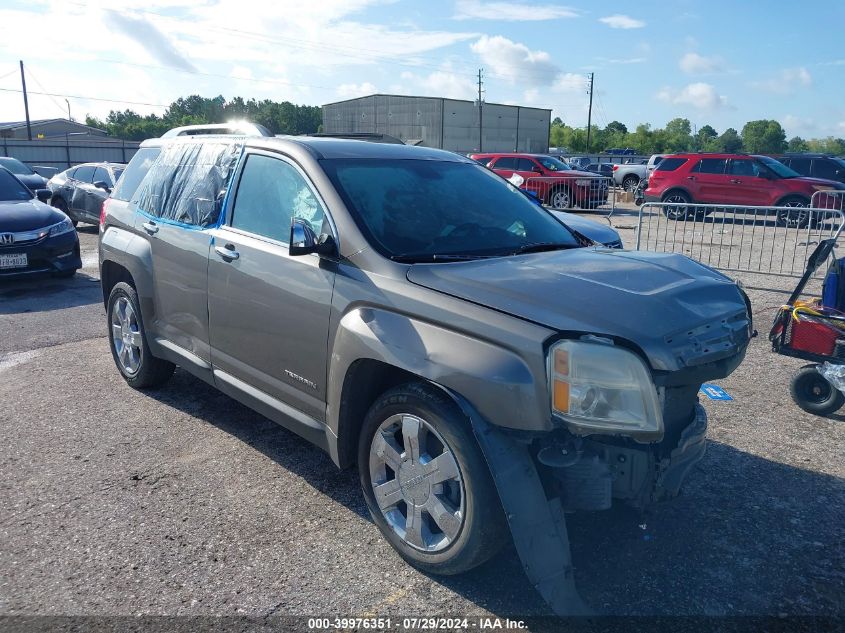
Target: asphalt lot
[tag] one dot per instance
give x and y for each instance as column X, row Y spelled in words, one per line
column 182, row 501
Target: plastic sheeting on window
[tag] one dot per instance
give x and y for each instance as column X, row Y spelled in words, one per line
column 188, row 180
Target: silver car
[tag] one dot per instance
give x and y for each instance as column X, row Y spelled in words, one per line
column 416, row 316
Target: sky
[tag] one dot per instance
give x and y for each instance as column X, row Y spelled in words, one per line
column 714, row 62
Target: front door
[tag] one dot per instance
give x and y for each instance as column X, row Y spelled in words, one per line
column 269, row 312
column 82, row 184
column 746, row 185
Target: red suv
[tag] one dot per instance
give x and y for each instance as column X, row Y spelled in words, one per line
column 734, row 179
column 554, row 182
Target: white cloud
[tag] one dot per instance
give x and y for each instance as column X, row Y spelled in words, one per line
column 695, row 64
column 510, row 11
column 512, row 61
column 619, row 21
column 350, row 91
column 439, row 83
column 786, row 82
column 796, row 125
column 571, row 83
column 699, row 95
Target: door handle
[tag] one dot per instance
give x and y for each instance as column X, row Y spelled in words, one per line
column 228, row 252
column 150, row 227
column 735, row 181
column 690, row 177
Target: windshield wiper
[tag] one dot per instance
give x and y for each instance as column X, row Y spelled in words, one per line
column 539, row 247
column 420, row 258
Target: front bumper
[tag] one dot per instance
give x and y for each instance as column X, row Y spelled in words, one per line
column 48, row 255
column 639, row 475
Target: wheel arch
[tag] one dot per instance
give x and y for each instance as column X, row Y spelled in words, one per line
column 376, row 349
column 785, row 198
column 676, row 189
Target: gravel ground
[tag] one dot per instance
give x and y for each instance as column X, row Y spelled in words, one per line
column 182, row 501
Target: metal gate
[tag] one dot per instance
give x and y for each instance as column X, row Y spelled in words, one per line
column 766, row 240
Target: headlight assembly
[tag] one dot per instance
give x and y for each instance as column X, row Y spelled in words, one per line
column 600, row 388
column 65, row 226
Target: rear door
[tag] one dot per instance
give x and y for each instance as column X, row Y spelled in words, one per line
column 94, row 196
column 269, row 312
column 708, row 182
column 505, row 166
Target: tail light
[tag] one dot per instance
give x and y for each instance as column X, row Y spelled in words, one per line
column 103, row 213
column 615, row 167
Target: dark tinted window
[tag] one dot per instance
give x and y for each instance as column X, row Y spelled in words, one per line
column 826, row 168
column 801, row 165
column 270, row 193
column 102, row 175
column 422, row 208
column 706, row 166
column 744, row 167
column 135, row 172
column 70, row 173
column 525, row 164
column 84, row 174
column 670, row 164
column 11, row 188
column 506, row 162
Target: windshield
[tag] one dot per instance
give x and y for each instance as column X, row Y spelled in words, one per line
column 778, row 167
column 553, row 164
column 426, row 209
column 839, row 162
column 15, row 166
column 11, row 188
column 117, row 173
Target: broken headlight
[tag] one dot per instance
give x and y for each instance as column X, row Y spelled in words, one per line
column 599, row 388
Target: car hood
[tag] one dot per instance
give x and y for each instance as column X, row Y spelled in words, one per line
column 33, row 181
column 678, row 312
column 27, row 215
column 599, row 233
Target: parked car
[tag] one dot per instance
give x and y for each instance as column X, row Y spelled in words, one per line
column 629, row 175
column 410, row 312
column 24, row 173
column 734, row 179
column 816, row 165
column 578, row 162
column 80, row 191
column 34, row 237
column 603, row 169
column 555, row 183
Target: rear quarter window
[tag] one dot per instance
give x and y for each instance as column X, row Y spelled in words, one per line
column 134, row 173
column 670, row 164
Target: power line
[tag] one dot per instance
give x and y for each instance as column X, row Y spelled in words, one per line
column 65, row 96
column 38, row 83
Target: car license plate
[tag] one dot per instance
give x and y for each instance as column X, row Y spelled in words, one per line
column 13, row 260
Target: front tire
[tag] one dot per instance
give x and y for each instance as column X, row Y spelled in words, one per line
column 812, row 392
column 426, row 483
column 61, row 205
column 630, row 183
column 560, row 199
column 128, row 341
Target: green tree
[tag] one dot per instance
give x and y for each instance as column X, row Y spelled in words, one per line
column 764, row 136
column 829, row 145
column 678, row 135
column 797, row 144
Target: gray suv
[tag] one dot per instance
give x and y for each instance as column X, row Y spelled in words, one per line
column 414, row 314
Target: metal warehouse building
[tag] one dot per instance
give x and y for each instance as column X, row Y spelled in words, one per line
column 451, row 124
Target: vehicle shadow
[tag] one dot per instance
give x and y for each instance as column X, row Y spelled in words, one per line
column 44, row 293
column 749, row 536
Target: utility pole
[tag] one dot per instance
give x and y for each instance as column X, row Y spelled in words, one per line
column 590, row 113
column 480, row 121
column 68, row 110
column 26, row 104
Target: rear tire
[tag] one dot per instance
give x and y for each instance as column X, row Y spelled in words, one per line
column 561, row 199
column 456, row 506
column 814, row 394
column 630, row 183
column 677, row 213
column 128, row 341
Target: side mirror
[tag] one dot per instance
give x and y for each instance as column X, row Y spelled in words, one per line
column 102, row 185
column 43, row 194
column 304, row 241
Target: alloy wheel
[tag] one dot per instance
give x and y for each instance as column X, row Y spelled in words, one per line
column 676, row 213
column 561, row 199
column 797, row 215
column 126, row 336
column 417, row 483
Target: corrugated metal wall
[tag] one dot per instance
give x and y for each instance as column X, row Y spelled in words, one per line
column 445, row 123
column 58, row 154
